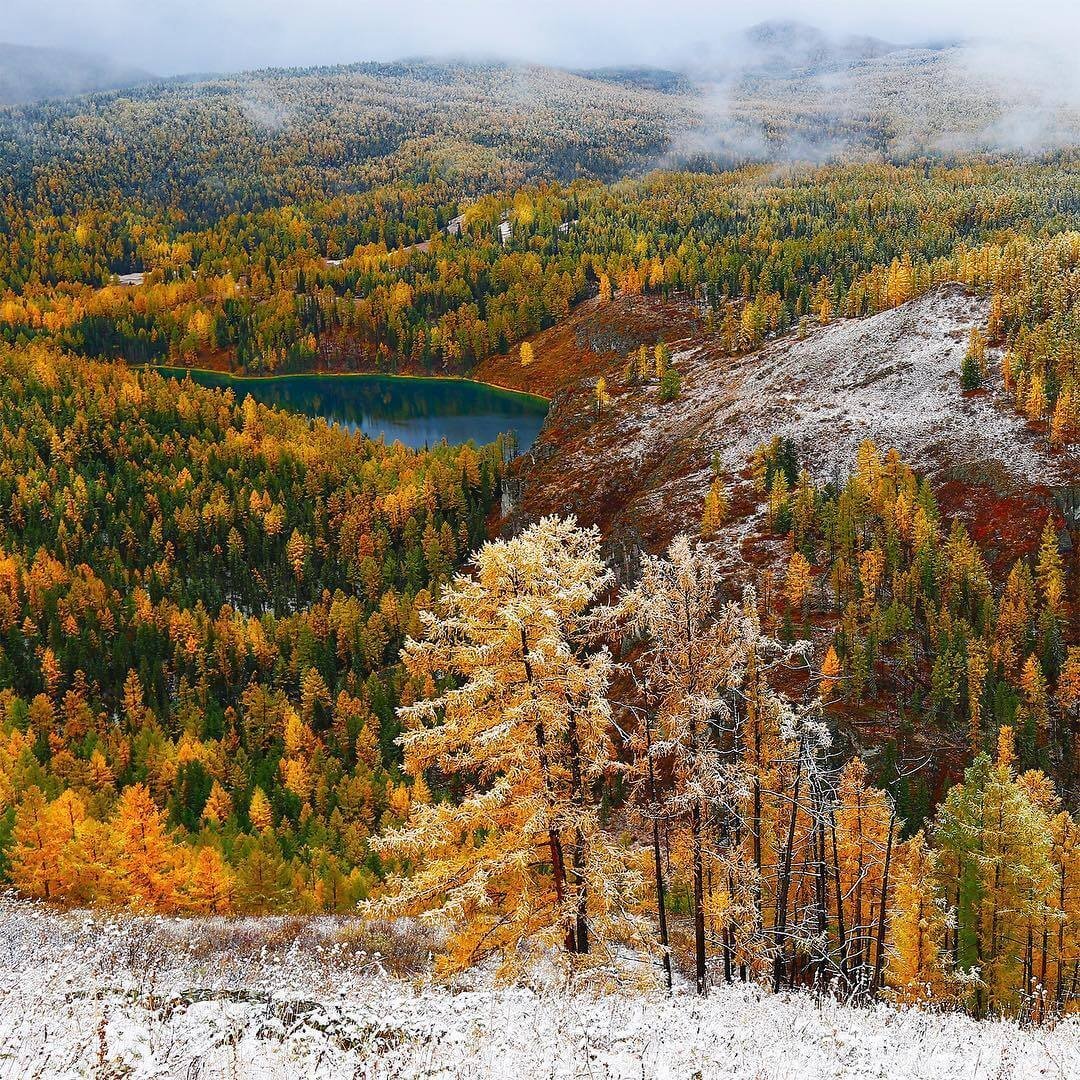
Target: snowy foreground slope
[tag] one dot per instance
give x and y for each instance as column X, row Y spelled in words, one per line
column 84, row 995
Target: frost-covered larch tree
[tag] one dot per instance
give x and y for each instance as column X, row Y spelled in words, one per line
column 695, row 651
column 917, row 968
column 519, row 863
column 731, row 769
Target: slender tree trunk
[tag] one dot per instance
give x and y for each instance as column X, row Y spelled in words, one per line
column 695, row 818
column 841, row 928
column 785, row 877
column 1042, row 965
column 729, row 959
column 1059, row 989
column 734, row 936
column 581, row 888
column 558, row 862
column 753, row 718
column 699, row 900
column 1029, row 968
column 858, row 927
column 661, row 903
column 879, row 957
column 821, row 884
column 658, row 864
column 581, row 940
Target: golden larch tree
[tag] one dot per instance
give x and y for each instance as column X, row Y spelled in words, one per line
column 145, row 857
column 916, row 969
column 521, row 862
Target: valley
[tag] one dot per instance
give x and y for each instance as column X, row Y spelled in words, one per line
column 559, row 564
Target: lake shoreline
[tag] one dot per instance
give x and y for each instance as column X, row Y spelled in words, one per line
column 419, row 411
column 233, row 378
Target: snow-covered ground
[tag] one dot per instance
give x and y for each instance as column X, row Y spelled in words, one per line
column 84, row 995
column 894, row 378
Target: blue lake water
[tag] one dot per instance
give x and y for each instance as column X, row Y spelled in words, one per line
column 418, row 412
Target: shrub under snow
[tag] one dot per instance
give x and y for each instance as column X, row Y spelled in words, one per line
column 84, row 995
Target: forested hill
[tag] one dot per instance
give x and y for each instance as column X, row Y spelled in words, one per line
column 241, row 143
column 238, row 143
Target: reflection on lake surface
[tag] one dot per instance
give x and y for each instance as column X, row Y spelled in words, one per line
column 418, row 412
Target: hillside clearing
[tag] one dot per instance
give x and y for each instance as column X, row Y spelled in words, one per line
column 640, row 469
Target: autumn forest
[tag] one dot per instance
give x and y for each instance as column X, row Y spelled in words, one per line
column 801, row 727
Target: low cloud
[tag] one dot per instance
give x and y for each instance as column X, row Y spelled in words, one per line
column 1012, row 84
column 173, row 36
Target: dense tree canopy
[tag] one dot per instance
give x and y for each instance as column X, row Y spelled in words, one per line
column 242, row 667
column 207, row 599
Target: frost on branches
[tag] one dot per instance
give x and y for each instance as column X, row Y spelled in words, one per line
column 627, row 792
column 520, row 862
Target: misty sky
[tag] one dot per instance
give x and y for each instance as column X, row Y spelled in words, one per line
column 174, row 36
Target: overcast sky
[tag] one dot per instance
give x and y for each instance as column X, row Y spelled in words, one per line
column 173, row 36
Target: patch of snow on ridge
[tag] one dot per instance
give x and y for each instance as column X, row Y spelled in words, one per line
column 84, row 995
column 893, row 377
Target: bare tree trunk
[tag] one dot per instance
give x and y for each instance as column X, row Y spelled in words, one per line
column 658, row 865
column 699, row 900
column 858, row 927
column 582, row 895
column 821, row 882
column 785, row 877
column 841, row 929
column 753, row 718
column 879, row 958
column 734, row 938
column 581, row 942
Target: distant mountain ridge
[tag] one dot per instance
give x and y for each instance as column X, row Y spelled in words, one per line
column 29, row 73
column 664, row 80
column 779, row 90
column 789, row 45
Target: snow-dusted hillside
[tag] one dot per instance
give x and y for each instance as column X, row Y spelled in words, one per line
column 89, row 996
column 642, row 467
column 893, row 377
